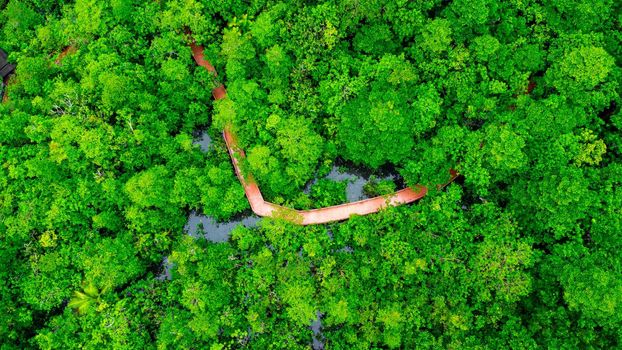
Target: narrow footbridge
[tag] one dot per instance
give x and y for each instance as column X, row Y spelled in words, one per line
column 303, row 217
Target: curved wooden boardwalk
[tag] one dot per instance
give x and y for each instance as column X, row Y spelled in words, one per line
column 253, row 193
column 303, row 217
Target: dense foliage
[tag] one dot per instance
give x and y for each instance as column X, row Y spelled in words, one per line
column 99, row 172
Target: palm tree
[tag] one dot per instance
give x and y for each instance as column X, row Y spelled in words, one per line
column 83, row 300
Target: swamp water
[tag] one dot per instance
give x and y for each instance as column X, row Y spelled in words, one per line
column 202, row 226
column 316, row 328
column 357, row 178
column 203, row 140
column 206, row 227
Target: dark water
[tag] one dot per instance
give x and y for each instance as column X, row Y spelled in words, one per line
column 167, row 266
column 203, row 140
column 316, row 327
column 346, row 249
column 208, row 228
column 354, row 187
column 330, row 233
column 201, row 226
column 356, row 178
column 205, row 226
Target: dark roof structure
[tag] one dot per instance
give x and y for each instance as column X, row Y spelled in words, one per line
column 5, row 67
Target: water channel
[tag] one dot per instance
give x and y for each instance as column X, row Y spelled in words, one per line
column 316, row 328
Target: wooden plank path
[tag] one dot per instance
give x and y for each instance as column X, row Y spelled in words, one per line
column 303, row 217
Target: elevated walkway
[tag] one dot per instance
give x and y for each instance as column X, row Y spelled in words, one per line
column 303, row 217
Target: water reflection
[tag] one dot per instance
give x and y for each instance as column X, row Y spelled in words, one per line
column 354, row 187
column 356, row 180
column 201, row 226
column 208, row 228
column 205, row 226
column 203, row 140
column 346, row 249
column 316, row 327
column 167, row 266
